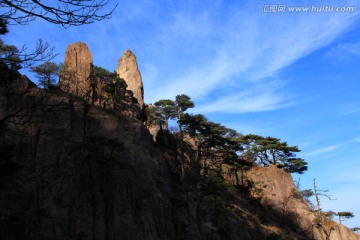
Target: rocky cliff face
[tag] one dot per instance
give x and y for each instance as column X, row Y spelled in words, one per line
column 129, row 71
column 71, row 169
column 275, row 189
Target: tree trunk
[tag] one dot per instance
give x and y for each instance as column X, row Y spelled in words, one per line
column 166, row 124
column 317, row 199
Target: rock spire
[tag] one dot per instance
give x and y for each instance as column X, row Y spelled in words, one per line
column 75, row 78
column 129, row 71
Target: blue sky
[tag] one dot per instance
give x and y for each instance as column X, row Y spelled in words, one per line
column 291, row 75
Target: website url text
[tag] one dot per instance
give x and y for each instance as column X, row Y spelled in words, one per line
column 278, row 8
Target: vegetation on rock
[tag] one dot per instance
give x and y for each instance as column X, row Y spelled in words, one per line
column 271, row 151
column 47, row 73
column 344, row 215
column 215, row 141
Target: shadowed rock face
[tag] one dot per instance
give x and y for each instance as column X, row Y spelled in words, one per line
column 77, row 171
column 75, row 78
column 129, row 71
column 70, row 169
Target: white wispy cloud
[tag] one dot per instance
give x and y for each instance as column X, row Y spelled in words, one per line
column 241, row 103
column 344, row 51
column 348, row 110
column 185, row 26
column 333, row 147
column 259, row 96
column 323, row 150
column 350, row 107
column 247, row 48
column 357, row 139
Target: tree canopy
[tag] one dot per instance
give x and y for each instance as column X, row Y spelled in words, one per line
column 168, row 109
column 104, row 74
column 183, row 103
column 221, row 142
column 271, row 151
column 212, row 139
column 344, row 215
column 165, row 109
column 193, row 124
column 111, row 83
column 47, row 73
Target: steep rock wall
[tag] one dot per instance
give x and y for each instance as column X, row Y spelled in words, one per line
column 71, row 170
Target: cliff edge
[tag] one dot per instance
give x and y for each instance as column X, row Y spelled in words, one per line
column 74, row 168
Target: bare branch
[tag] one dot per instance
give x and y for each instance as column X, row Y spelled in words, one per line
column 14, row 58
column 63, row 12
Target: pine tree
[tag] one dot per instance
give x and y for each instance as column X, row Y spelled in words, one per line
column 47, row 73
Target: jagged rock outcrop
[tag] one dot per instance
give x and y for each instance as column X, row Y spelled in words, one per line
column 75, row 78
column 129, row 71
column 275, row 189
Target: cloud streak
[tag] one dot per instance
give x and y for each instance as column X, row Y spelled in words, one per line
column 244, row 53
column 344, row 51
column 323, row 150
column 332, row 148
